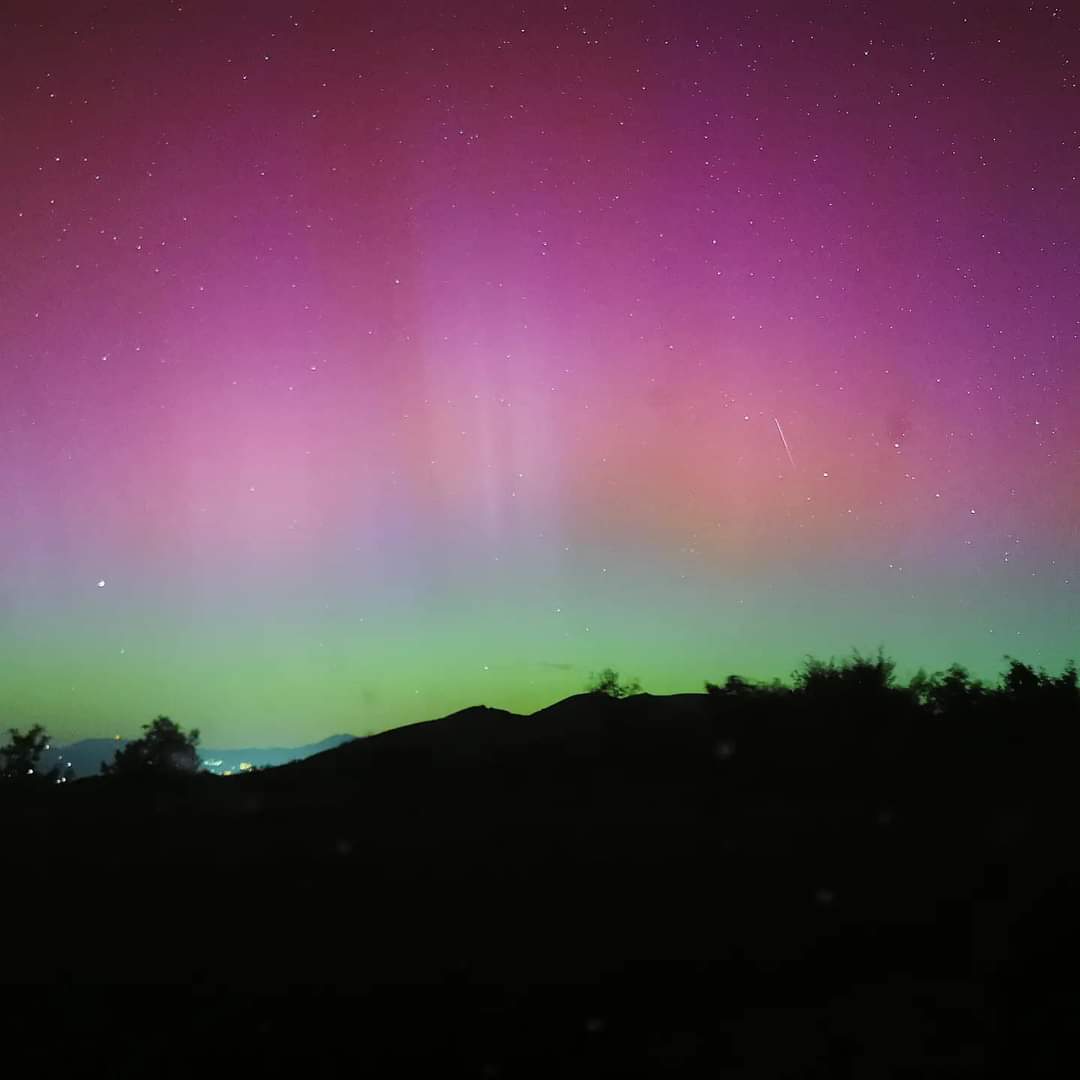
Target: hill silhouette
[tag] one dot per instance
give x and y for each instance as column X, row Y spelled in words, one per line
column 841, row 877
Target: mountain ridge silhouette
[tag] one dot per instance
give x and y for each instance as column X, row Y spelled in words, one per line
column 804, row 882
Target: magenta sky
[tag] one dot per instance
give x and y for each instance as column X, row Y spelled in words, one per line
column 387, row 358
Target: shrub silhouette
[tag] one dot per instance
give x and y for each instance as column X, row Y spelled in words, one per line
column 736, row 689
column 607, row 683
column 164, row 748
column 735, row 686
column 858, row 676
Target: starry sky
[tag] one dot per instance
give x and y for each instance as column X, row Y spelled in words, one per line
column 364, row 361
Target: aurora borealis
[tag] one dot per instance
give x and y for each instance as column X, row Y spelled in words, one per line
column 383, row 359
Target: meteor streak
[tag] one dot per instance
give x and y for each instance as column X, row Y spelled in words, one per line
column 787, row 449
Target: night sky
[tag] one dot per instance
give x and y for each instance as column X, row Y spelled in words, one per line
column 364, row 361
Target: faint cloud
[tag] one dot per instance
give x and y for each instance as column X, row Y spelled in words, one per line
column 556, row 667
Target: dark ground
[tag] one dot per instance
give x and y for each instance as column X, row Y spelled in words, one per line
column 649, row 887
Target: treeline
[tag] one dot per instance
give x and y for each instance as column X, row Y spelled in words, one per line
column 857, row 679
column 850, row 728
column 858, row 695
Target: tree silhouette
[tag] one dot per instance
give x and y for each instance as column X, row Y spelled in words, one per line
column 921, row 687
column 608, row 684
column 953, row 692
column 164, row 748
column 1022, row 682
column 21, row 758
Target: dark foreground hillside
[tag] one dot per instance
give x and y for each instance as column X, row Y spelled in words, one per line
column 725, row 885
